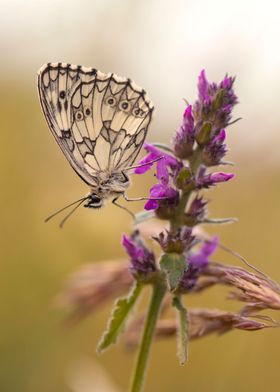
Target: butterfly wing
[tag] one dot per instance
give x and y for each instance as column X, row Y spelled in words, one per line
column 99, row 120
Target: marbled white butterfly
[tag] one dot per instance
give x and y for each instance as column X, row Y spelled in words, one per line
column 100, row 122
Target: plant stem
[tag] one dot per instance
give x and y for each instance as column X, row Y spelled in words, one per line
column 138, row 379
column 178, row 219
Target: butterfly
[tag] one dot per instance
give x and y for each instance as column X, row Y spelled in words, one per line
column 100, row 122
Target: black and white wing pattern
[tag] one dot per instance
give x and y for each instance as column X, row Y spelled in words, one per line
column 99, row 120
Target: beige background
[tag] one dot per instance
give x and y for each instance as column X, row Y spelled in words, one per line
column 162, row 45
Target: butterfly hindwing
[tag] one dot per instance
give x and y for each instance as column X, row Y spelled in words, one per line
column 99, row 120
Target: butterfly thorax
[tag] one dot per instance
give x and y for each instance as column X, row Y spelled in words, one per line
column 109, row 185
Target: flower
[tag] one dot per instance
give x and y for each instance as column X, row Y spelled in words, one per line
column 142, row 259
column 215, row 150
column 215, row 102
column 205, row 181
column 169, row 196
column 196, row 262
column 162, row 190
column 155, row 153
column 184, row 138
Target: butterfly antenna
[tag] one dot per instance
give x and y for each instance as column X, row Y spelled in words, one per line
column 70, row 213
column 64, row 208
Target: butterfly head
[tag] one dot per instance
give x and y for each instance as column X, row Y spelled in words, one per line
column 94, row 201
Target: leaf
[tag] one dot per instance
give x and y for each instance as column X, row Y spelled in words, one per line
column 119, row 315
column 163, row 147
column 142, row 216
column 174, row 265
column 182, row 330
column 220, row 221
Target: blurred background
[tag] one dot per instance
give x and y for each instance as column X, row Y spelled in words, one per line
column 162, row 45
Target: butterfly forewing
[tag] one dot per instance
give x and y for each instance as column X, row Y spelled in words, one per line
column 99, row 120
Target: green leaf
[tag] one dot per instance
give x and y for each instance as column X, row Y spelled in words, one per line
column 220, row 221
column 119, row 315
column 163, row 147
column 182, row 332
column 142, row 216
column 174, row 265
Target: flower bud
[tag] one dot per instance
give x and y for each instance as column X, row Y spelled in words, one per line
column 215, row 150
column 177, row 242
column 185, row 180
column 203, row 134
column 142, row 260
column 205, row 181
column 196, row 212
column 184, row 137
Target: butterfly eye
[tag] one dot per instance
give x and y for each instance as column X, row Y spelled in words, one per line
column 87, row 111
column 124, row 106
column 79, row 115
column 111, row 101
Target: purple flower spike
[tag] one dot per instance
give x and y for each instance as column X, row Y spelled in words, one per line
column 184, row 137
column 201, row 258
column 142, row 260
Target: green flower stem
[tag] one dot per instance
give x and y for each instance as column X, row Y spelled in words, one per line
column 178, row 220
column 159, row 290
column 195, row 160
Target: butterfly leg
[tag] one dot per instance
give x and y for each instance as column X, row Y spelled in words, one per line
column 114, row 201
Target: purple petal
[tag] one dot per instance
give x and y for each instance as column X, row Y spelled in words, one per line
column 162, row 172
column 170, row 160
column 188, row 123
column 145, row 161
column 227, row 82
column 210, row 246
column 220, row 138
column 161, row 191
column 203, row 86
column 129, row 246
column 221, row 177
column 201, row 258
column 151, row 205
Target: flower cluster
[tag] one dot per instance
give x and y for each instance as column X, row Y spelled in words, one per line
column 200, row 140
column 182, row 172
